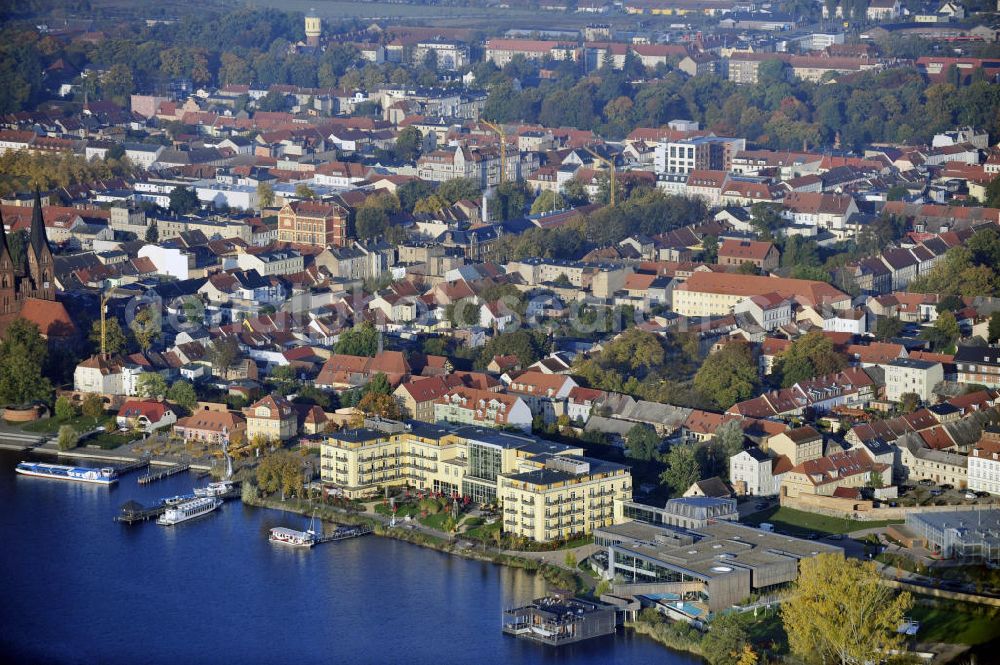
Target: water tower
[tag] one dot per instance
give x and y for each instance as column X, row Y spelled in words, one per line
column 314, row 26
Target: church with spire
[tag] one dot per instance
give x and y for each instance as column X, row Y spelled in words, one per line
column 27, row 283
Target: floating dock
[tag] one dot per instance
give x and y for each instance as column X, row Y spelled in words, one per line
column 343, row 533
column 166, row 473
column 136, row 512
column 132, row 466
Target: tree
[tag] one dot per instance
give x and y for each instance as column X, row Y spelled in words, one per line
column 875, row 480
column 841, row 612
column 67, row 437
column 909, row 402
column 146, row 327
column 683, row 469
column 379, row 385
column 642, row 442
column 360, row 340
column 265, row 194
column 303, row 191
column 118, row 84
column 944, row 332
column 727, row 441
column 993, row 332
column 115, row 339
column 151, row 385
column 728, row 635
column 458, row 189
column 381, row 405
column 22, row 355
column 710, row 249
column 183, row 201
column 183, row 394
column 528, row 346
column 547, row 201
column 408, row 144
column 430, row 205
column 728, row 376
column 748, row 656
column 809, row 356
column 888, row 327
column 152, row 234
column 281, row 471
column 92, row 407
column 64, row 409
column 222, row 354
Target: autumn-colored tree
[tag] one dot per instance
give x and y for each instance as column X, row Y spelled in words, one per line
column 115, row 339
column 840, row 612
column 380, row 404
column 92, row 407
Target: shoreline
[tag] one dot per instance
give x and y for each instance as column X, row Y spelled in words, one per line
column 93, row 454
column 554, row 575
column 475, row 554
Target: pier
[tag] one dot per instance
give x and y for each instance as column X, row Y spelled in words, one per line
column 136, row 512
column 343, row 533
column 160, row 475
column 129, row 467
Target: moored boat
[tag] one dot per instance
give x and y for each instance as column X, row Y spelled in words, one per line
column 188, row 510
column 80, row 474
column 220, row 488
column 286, row 536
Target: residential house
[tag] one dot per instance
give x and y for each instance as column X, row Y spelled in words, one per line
column 470, row 406
column 907, row 375
column 271, row 418
column 824, row 476
column 763, row 255
column 145, row 415
column 798, row 445
column 212, row 426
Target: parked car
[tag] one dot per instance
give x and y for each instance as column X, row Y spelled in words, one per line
column 926, row 481
column 970, row 496
column 947, row 486
column 982, row 495
column 937, row 492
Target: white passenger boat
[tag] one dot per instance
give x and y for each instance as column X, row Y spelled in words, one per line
column 188, row 510
column 80, row 474
column 220, row 488
column 286, row 536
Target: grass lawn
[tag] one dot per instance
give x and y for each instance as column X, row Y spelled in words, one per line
column 436, row 521
column 798, row 522
column 401, row 511
column 79, row 423
column 955, row 623
column 484, row 531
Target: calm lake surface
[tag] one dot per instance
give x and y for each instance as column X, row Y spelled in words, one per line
column 77, row 587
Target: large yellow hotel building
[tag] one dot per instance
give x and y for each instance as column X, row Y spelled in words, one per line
column 547, row 490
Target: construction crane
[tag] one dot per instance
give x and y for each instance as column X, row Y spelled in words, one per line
column 104, row 327
column 503, row 147
column 611, row 165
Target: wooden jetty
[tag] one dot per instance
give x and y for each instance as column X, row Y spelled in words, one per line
column 129, row 467
column 136, row 512
column 166, row 473
column 343, row 533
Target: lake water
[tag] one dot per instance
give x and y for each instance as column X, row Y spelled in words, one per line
column 77, row 587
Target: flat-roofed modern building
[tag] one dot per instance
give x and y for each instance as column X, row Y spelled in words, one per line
column 970, row 535
column 710, row 568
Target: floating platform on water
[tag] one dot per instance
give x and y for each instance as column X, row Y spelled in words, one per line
column 166, row 473
column 134, row 511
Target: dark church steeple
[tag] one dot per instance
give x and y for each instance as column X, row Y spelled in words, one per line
column 37, row 234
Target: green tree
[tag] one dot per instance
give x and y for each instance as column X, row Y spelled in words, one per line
column 183, row 201
column 151, row 385
column 23, row 353
column 67, row 438
column 642, row 442
column 182, row 393
column 152, row 234
column 458, row 189
column 888, row 327
column 304, row 191
column 528, row 346
column 222, row 354
column 115, row 336
column 118, row 84
column 281, row 471
column 710, row 249
column 683, row 469
column 64, row 409
column 265, row 194
column 726, row 638
column 361, row 340
column 809, row 356
column 728, row 376
column 408, row 143
column 379, row 385
column 944, row 332
column 547, row 201
column 841, row 612
column 92, row 407
column 146, row 327
column 993, row 332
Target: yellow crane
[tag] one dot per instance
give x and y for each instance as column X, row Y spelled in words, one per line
column 611, row 165
column 104, row 328
column 503, row 147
